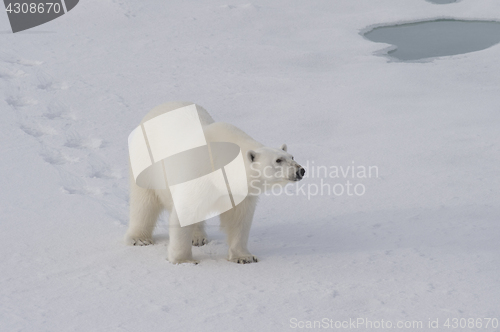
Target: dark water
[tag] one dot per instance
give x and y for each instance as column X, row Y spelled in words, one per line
column 415, row 41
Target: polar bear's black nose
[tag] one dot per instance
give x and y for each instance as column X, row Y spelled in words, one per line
column 300, row 173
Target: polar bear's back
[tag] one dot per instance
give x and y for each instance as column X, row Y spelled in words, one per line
column 205, row 118
column 225, row 132
column 214, row 131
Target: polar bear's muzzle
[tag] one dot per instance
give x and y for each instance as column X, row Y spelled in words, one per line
column 300, row 173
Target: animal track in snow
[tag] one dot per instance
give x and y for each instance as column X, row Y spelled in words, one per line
column 77, row 142
column 53, row 85
column 29, row 63
column 82, row 168
column 100, row 169
column 11, row 58
column 20, row 101
column 82, row 190
column 56, row 157
column 58, row 110
column 104, row 173
column 77, row 185
column 9, row 74
column 37, row 130
column 23, row 62
column 47, row 82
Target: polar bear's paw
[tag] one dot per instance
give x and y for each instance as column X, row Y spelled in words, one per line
column 244, row 259
column 138, row 241
column 184, row 261
column 199, row 240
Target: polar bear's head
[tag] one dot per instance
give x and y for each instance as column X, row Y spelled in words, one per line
column 271, row 166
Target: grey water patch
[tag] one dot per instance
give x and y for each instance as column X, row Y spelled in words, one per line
column 429, row 39
column 441, row 2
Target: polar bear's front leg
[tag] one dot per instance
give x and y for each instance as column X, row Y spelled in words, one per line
column 199, row 235
column 236, row 223
column 179, row 248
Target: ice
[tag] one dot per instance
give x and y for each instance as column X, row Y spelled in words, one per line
column 421, row 244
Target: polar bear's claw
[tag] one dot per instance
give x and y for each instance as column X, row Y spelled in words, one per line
column 198, row 242
column 143, row 242
column 245, row 260
column 131, row 241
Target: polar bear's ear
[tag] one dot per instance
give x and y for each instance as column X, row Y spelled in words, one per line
column 284, row 147
column 251, row 154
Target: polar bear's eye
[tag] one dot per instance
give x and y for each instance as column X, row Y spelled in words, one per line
column 292, row 158
column 278, row 161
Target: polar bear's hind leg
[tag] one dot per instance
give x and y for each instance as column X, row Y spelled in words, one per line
column 145, row 209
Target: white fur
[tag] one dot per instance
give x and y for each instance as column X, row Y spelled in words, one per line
column 147, row 204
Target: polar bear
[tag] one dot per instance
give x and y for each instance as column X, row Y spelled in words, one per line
column 265, row 167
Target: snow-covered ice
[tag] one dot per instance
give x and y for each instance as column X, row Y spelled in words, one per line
column 422, row 242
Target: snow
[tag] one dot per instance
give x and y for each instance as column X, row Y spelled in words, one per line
column 421, row 243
